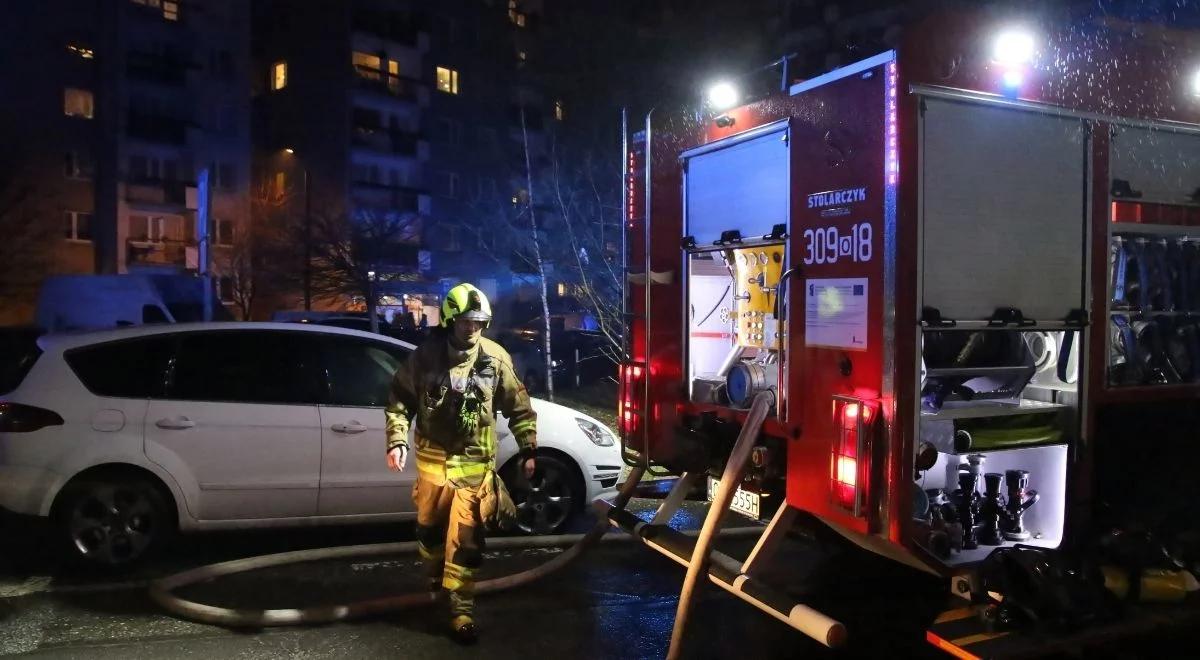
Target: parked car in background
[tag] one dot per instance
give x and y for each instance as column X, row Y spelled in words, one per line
column 121, row 437
column 356, row 321
column 578, row 357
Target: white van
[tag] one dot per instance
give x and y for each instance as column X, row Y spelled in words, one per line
column 89, row 302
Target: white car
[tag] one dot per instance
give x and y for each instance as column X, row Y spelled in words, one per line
column 124, row 436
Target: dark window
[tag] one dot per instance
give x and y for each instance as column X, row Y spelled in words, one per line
column 154, row 314
column 18, row 352
column 247, row 367
column 132, row 369
column 360, row 371
column 225, row 176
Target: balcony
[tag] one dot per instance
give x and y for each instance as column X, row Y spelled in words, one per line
column 156, row 253
column 381, row 139
column 157, row 128
column 381, row 82
column 383, row 197
column 168, row 70
column 392, row 26
column 156, row 193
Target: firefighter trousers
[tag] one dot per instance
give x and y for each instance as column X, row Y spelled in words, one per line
column 450, row 539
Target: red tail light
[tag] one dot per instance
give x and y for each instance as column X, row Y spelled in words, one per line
column 852, row 423
column 629, row 403
column 20, row 418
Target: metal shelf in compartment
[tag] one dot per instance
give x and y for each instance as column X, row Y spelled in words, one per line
column 979, row 372
column 1154, row 230
column 978, row 409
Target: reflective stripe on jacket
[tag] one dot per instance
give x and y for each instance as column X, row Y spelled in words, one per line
column 430, row 387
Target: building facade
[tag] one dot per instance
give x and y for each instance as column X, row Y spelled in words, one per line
column 112, row 110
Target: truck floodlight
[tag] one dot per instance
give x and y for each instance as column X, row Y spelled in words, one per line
column 1013, row 79
column 1196, row 84
column 722, row 96
column 1013, row 48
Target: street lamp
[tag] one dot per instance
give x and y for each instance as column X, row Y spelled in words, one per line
column 307, row 235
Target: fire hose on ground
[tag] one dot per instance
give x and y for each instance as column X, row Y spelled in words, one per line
column 161, row 591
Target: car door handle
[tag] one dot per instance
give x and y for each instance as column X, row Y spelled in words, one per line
column 176, row 423
column 352, row 427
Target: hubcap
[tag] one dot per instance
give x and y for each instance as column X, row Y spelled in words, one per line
column 545, row 503
column 112, row 524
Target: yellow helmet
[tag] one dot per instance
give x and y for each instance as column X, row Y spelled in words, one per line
column 466, row 301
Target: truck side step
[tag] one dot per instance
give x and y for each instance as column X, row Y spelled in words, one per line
column 726, row 572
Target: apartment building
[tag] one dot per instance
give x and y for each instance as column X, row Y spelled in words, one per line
column 111, row 111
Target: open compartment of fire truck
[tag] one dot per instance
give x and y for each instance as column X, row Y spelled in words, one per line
column 999, row 409
column 1154, row 258
column 1002, row 299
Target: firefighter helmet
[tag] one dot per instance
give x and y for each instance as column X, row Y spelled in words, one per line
column 466, row 302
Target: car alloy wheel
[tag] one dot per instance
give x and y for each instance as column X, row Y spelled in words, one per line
column 113, row 524
column 545, row 502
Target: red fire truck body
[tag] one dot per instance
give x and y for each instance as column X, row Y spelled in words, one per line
column 914, row 255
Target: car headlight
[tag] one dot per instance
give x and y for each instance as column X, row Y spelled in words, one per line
column 599, row 435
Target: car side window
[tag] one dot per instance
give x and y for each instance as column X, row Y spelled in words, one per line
column 359, row 371
column 247, row 366
column 129, row 368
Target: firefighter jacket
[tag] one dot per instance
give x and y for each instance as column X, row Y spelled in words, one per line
column 454, row 397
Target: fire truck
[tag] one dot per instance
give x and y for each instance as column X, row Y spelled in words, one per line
column 917, row 298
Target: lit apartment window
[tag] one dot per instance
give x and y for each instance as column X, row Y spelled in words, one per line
column 146, row 229
column 81, row 51
column 367, row 61
column 224, row 232
column 447, row 80
column 78, row 103
column 558, row 110
column 170, row 8
column 77, row 226
column 279, row 75
column 515, row 15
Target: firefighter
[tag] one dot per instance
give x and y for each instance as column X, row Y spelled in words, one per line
column 453, row 385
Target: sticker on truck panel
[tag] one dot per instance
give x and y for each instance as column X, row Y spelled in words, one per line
column 835, row 313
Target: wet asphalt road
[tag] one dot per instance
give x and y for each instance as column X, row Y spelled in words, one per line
column 618, row 602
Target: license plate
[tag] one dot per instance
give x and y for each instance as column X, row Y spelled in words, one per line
column 744, row 502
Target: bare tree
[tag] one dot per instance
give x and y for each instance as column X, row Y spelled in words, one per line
column 538, row 262
column 353, row 256
column 30, row 229
column 588, row 203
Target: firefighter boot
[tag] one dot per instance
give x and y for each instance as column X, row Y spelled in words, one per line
column 462, row 629
column 460, row 586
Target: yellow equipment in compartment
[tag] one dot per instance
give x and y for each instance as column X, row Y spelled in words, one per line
column 756, row 283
